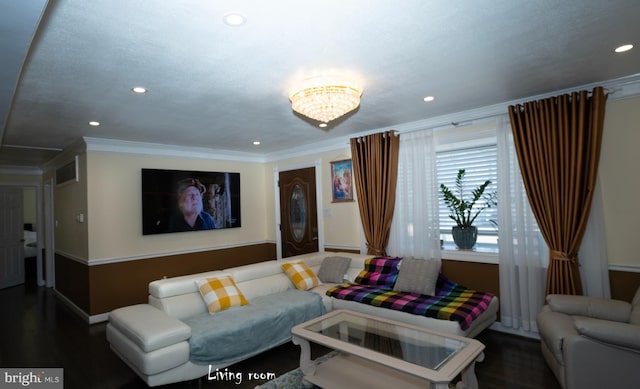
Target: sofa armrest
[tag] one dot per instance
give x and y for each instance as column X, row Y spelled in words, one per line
column 598, row 308
column 614, row 333
column 148, row 327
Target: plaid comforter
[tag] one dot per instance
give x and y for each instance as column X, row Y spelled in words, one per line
column 451, row 302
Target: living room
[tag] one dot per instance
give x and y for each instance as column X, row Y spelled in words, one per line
column 111, row 201
column 102, row 261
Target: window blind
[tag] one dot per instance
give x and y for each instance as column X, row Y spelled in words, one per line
column 480, row 165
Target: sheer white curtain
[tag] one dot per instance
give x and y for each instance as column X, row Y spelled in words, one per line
column 524, row 255
column 594, row 263
column 414, row 230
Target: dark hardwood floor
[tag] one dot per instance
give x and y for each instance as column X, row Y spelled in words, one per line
column 38, row 331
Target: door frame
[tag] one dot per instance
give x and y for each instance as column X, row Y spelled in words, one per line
column 276, row 176
column 39, row 223
column 49, row 234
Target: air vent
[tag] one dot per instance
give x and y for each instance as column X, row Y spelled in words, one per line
column 67, row 173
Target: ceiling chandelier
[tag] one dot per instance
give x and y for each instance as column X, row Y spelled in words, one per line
column 325, row 98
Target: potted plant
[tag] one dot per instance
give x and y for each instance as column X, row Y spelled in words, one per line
column 463, row 212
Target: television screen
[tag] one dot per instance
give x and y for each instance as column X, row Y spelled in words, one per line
column 178, row 201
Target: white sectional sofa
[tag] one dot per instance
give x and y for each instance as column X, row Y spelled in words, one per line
column 154, row 338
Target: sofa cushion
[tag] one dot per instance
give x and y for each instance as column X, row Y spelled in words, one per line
column 148, row 327
column 235, row 333
column 321, row 290
column 301, row 276
column 176, row 286
column 264, row 285
column 333, row 269
column 418, row 276
column 220, row 293
column 152, row 362
column 598, row 308
column 451, row 301
column 623, row 335
column 379, row 271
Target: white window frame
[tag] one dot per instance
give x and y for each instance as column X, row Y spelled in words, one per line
column 465, row 137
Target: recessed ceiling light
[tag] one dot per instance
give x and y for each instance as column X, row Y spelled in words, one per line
column 429, row 98
column 234, row 19
column 623, row 48
column 139, row 89
column 94, row 123
column 256, row 142
column 322, row 125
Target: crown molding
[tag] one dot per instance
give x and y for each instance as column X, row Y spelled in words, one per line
column 162, row 150
column 315, row 148
column 66, row 155
column 21, row 170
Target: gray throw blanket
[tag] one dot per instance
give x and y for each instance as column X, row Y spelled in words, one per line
column 233, row 334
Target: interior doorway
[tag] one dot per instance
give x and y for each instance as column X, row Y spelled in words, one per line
column 12, row 264
column 21, row 237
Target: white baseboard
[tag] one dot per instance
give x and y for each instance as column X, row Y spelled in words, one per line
column 99, row 318
column 497, row 326
column 85, row 316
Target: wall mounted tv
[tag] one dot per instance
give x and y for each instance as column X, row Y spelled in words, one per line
column 178, row 201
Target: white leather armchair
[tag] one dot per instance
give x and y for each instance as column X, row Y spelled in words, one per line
column 591, row 342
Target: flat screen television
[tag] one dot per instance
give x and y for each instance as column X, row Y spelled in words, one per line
column 180, row 201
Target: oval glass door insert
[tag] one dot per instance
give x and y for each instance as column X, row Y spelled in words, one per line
column 298, row 213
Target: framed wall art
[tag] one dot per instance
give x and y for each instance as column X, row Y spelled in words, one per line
column 342, row 182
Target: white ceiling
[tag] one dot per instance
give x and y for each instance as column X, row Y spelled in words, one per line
column 220, row 87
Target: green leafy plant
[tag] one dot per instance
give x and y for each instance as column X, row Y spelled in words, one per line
column 463, row 212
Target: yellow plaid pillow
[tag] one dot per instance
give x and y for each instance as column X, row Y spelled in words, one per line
column 220, row 293
column 302, row 277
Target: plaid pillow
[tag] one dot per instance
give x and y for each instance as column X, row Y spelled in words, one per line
column 380, row 271
column 220, row 294
column 302, row 277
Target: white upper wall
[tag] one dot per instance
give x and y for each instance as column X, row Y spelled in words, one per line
column 619, row 162
column 114, row 213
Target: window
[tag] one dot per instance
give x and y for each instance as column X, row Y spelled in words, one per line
column 477, row 154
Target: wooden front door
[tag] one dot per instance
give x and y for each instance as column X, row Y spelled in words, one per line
column 298, row 212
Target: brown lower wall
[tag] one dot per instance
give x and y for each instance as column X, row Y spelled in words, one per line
column 623, row 284
column 101, row 288
column 486, row 277
column 473, row 275
column 72, row 281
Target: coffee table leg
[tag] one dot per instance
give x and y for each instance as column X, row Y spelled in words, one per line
column 307, row 366
column 469, row 380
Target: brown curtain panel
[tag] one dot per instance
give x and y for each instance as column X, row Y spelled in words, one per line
column 558, row 143
column 375, row 172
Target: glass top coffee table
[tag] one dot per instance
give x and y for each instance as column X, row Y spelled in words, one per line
column 377, row 352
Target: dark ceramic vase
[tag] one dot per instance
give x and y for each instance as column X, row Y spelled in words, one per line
column 465, row 237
